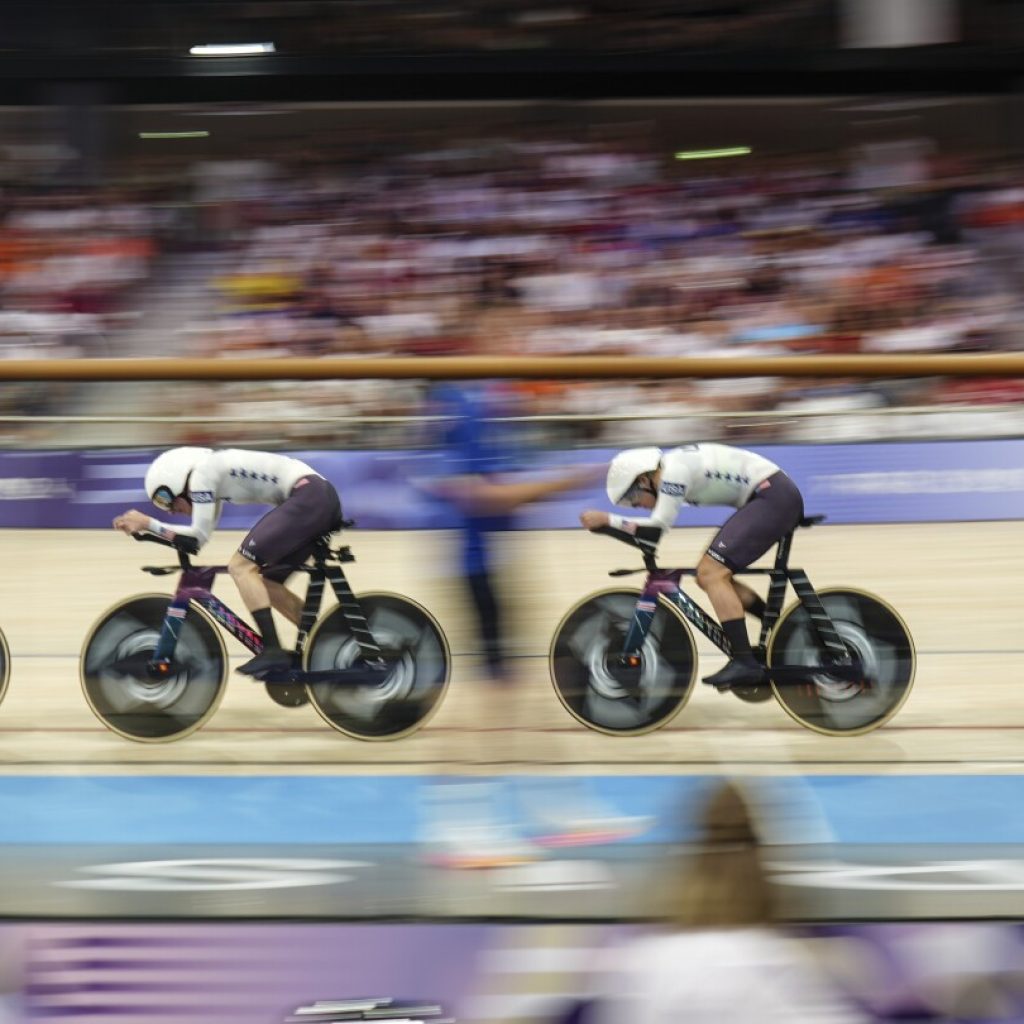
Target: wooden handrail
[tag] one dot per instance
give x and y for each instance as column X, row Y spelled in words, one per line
column 512, row 367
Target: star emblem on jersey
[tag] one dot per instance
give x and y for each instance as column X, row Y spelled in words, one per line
column 710, row 474
column 246, row 475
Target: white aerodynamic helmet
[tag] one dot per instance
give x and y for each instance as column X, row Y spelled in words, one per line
column 167, row 476
column 626, row 467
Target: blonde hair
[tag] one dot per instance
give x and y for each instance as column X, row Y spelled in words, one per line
column 722, row 883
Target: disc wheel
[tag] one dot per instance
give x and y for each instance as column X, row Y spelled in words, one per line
column 132, row 701
column 416, row 651
column 602, row 693
column 880, row 647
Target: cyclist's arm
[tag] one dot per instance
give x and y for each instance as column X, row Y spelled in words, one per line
column 206, row 512
column 661, row 519
column 493, row 494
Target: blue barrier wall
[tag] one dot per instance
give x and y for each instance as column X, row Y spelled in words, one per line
column 940, row 481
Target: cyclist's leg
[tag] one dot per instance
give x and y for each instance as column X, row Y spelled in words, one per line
column 715, row 578
column 284, row 537
column 245, row 571
column 280, row 540
column 248, row 579
column 753, row 602
column 283, row 600
column 746, row 536
column 748, row 533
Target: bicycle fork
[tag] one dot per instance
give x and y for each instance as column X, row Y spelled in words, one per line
column 194, row 585
column 667, row 584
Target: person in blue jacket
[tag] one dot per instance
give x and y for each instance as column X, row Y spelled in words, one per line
column 483, row 483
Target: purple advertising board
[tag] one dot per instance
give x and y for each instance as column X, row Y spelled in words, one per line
column 937, row 481
column 269, row 973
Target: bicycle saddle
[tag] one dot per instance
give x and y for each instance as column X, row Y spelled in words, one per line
column 811, row 520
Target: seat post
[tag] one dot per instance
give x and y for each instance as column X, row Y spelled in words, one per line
column 321, row 550
column 782, row 552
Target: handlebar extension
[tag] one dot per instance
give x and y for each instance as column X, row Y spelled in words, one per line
column 647, row 548
column 185, row 546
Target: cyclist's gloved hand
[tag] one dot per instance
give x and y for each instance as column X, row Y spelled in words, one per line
column 594, row 520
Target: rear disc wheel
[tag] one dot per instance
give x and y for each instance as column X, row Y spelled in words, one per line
column 879, row 647
column 388, row 705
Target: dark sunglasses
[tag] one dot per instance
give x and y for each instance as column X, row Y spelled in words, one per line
column 633, row 494
column 163, row 499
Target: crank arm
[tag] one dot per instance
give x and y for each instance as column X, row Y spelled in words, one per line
column 360, row 675
column 802, row 673
column 142, row 666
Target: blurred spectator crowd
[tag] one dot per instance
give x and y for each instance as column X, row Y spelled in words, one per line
column 73, row 264
column 521, row 243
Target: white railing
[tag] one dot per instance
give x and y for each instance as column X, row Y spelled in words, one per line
column 891, row 423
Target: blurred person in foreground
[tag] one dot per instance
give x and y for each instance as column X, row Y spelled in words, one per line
column 483, row 484
column 720, row 958
column 768, row 506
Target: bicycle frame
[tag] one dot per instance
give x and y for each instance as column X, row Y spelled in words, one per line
column 196, row 586
column 667, row 583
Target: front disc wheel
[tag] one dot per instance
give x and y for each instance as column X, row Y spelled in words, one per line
column 607, row 693
column 138, row 700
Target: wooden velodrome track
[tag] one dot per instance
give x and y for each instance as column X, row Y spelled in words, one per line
column 956, row 585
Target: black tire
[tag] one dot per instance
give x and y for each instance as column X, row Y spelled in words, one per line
column 410, row 639
column 5, row 666
column 591, row 634
column 127, row 700
column 880, row 643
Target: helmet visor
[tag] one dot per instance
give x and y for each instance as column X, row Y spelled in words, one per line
column 163, row 499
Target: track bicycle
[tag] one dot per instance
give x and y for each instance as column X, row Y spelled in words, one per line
column 154, row 667
column 840, row 661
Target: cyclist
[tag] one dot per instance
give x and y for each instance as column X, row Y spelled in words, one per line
column 768, row 506
column 196, row 482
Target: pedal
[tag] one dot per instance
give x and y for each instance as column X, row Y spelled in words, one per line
column 752, row 694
